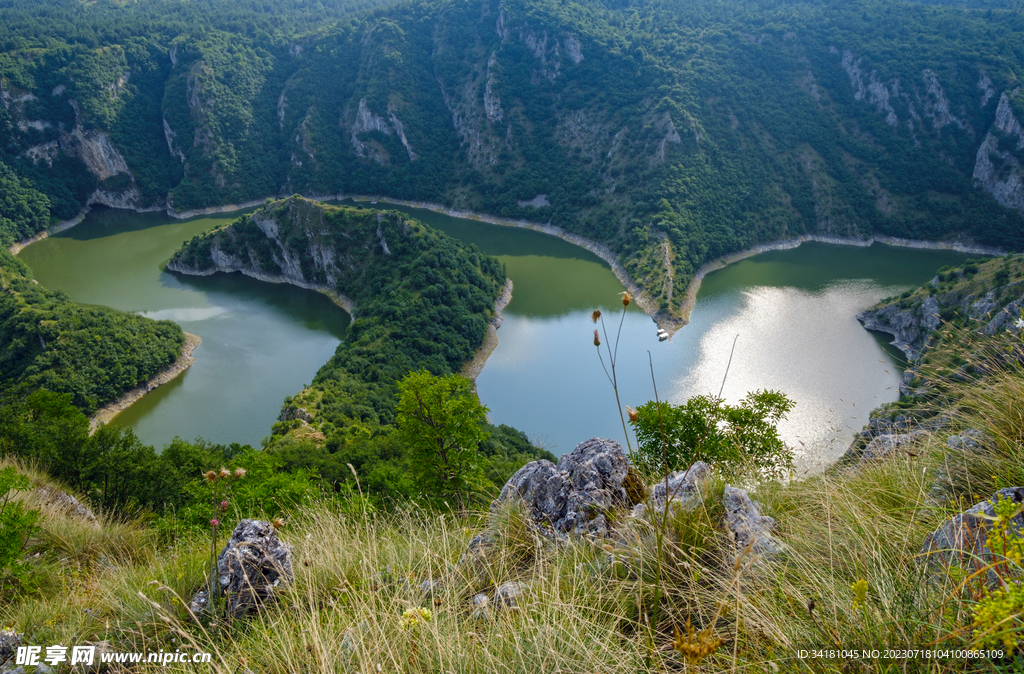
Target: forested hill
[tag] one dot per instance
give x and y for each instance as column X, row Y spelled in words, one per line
column 673, row 131
column 422, row 299
column 93, row 354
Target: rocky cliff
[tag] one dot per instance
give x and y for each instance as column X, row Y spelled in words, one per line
column 984, row 298
column 998, row 168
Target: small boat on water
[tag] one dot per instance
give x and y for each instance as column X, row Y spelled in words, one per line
column 662, row 334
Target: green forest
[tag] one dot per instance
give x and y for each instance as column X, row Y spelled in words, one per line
column 675, row 132
column 92, row 354
column 422, row 302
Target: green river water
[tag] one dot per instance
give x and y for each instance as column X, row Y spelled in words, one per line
column 794, row 312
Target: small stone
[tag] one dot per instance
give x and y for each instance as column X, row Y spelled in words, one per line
column 507, row 593
column 44, row 669
column 431, row 588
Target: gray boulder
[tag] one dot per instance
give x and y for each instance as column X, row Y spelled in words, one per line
column 680, row 488
column 250, row 568
column 884, row 446
column 970, row 441
column 573, row 496
column 9, row 642
column 963, row 539
column 749, row 527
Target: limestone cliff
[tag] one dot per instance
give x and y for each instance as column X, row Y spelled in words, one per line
column 998, row 168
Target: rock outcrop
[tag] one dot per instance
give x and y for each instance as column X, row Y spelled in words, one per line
column 909, row 326
column 250, row 568
column 997, row 168
column 680, row 489
column 749, row 527
column 573, row 496
column 68, row 503
column 963, row 539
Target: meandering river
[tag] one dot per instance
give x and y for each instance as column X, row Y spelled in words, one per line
column 793, row 311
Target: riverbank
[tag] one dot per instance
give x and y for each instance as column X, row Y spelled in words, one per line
column 473, row 368
column 106, row 413
column 671, row 323
column 788, row 244
column 340, row 300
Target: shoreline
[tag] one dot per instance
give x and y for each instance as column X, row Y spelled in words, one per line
column 788, row 244
column 671, row 323
column 340, row 300
column 475, row 366
column 107, row 413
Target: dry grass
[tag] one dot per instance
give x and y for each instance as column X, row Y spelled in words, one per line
column 585, row 602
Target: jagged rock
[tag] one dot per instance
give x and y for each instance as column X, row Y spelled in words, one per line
column 963, row 539
column 683, row 486
column 67, row 503
column 572, row 496
column 16, row 670
column 9, row 642
column 883, row 446
column 42, row 668
column 252, row 565
column 744, row 519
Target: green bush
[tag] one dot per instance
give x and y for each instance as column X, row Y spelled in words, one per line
column 17, row 524
column 734, row 439
column 442, row 424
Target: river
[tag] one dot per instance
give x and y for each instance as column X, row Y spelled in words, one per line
column 793, row 311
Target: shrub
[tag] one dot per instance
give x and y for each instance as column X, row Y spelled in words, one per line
column 17, row 524
column 441, row 422
column 733, row 438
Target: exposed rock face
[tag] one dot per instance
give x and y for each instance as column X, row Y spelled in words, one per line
column 572, row 496
column 250, row 568
column 744, row 519
column 67, row 503
column 365, row 122
column 1000, row 172
column 905, row 325
column 492, row 104
column 681, row 489
column 963, row 539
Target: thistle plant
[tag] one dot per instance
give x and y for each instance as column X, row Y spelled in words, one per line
column 609, row 370
column 221, row 481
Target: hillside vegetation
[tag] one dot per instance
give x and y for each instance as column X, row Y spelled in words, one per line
column 93, row 354
column 853, row 573
column 675, row 132
column 423, row 301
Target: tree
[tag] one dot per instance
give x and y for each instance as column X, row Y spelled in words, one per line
column 732, row 438
column 441, row 422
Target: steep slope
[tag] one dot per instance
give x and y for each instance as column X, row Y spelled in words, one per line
column 946, row 325
column 673, row 132
column 421, row 299
column 94, row 354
